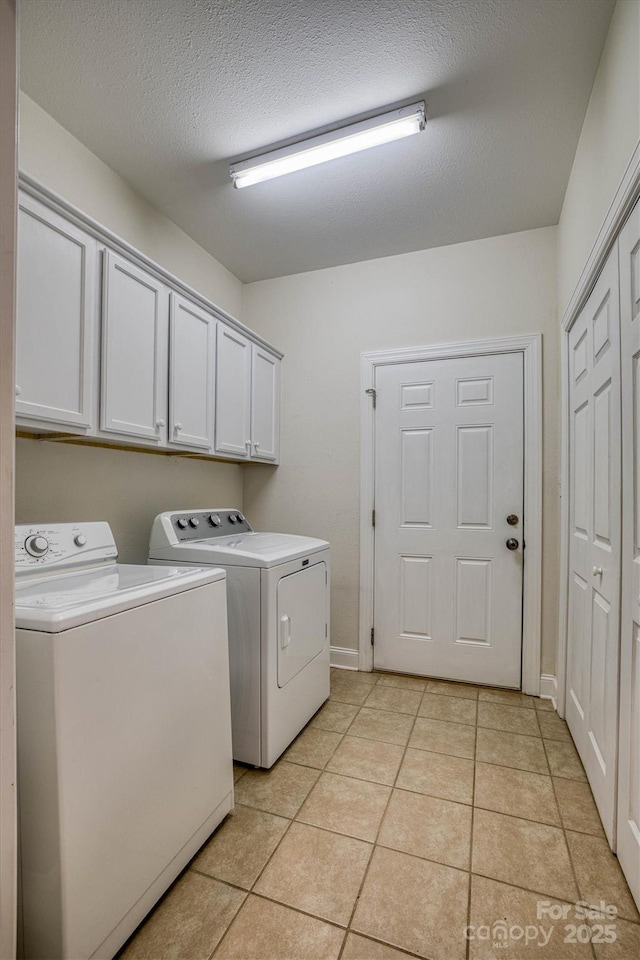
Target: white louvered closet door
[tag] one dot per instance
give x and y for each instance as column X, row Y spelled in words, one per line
column 594, row 543
column 628, row 833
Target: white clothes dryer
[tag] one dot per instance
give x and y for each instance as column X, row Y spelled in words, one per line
column 278, row 602
column 124, row 733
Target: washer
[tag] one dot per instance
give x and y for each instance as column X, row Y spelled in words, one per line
column 278, row 600
column 124, row 733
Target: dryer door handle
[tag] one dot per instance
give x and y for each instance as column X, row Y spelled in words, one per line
column 285, row 631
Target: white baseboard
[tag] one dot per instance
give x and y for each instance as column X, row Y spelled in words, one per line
column 345, row 657
column 549, row 688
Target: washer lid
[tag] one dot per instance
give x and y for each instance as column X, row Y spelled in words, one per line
column 243, row 550
column 59, row 603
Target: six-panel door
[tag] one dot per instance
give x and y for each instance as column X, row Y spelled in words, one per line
column 594, row 545
column 448, row 473
column 191, row 374
column 134, row 351
column 56, row 309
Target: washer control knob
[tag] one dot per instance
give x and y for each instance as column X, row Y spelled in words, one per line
column 182, row 523
column 232, row 518
column 194, row 522
column 239, row 517
column 215, row 520
column 36, row 546
column 80, row 540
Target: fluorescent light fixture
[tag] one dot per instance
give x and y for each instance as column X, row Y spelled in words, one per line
column 329, row 146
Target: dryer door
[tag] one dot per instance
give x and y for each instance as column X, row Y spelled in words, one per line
column 302, row 619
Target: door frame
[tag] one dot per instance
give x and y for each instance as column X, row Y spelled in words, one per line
column 530, row 346
column 627, row 194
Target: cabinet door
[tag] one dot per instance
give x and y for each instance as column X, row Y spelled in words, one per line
column 629, row 755
column 233, row 390
column 56, row 317
column 191, row 373
column 265, row 405
column 134, row 351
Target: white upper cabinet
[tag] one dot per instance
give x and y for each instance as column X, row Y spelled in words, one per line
column 265, row 405
column 233, row 393
column 127, row 353
column 56, row 308
column 191, row 374
column 247, row 398
column 134, row 352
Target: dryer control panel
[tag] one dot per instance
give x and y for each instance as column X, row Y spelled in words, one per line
column 205, row 524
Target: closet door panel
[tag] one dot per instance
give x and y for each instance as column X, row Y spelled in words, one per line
column 628, row 837
column 594, row 552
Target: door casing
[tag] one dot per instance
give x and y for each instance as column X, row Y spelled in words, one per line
column 531, row 348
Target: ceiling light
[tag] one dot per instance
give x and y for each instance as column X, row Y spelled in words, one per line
column 329, row 146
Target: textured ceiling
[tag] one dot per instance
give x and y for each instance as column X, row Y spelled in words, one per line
column 168, row 92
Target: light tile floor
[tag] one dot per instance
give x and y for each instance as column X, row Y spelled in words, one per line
column 406, row 811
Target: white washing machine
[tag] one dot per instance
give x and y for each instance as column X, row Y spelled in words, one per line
column 278, row 602
column 124, row 733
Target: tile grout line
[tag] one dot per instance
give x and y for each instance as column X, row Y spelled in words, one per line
column 375, row 842
column 566, row 840
column 277, row 847
column 467, row 946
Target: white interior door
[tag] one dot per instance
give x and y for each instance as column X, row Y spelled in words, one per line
column 594, row 543
column 628, row 831
column 448, row 473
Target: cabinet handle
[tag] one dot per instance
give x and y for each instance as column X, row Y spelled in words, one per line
column 18, row 390
column 177, row 427
column 159, row 424
column 256, row 445
column 247, row 444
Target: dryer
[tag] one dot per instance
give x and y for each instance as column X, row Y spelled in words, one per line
column 278, row 606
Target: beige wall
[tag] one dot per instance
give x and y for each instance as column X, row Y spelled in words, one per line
column 325, row 319
column 60, row 482
column 609, row 136
column 52, row 155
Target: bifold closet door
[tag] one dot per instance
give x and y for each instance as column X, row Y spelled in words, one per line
column 594, row 540
column 628, row 846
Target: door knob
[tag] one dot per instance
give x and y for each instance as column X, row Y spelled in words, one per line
column 512, row 544
column 598, row 571
column 512, row 519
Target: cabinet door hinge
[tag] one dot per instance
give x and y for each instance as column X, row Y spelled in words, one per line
column 373, row 518
column 372, row 634
column 373, row 394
